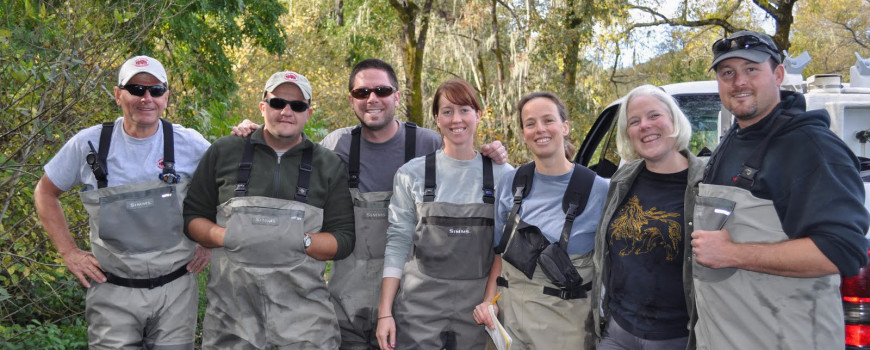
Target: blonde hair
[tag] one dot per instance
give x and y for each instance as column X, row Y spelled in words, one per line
column 682, row 127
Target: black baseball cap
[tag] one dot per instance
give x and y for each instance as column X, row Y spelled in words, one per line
column 749, row 45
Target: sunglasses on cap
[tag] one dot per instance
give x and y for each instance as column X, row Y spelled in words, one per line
column 139, row 90
column 722, row 46
column 380, row 91
column 280, row 103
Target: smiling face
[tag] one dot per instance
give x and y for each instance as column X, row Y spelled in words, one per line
column 374, row 112
column 283, row 127
column 651, row 128
column 544, row 131
column 141, row 112
column 457, row 123
column 749, row 90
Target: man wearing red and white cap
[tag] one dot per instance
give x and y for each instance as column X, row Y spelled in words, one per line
column 274, row 206
column 134, row 174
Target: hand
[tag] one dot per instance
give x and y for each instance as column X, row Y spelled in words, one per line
column 386, row 333
column 245, row 128
column 496, row 151
column 481, row 314
column 713, row 248
column 84, row 266
column 201, row 257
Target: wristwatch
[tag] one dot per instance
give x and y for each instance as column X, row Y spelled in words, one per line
column 306, row 241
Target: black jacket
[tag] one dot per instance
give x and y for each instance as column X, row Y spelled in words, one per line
column 811, row 176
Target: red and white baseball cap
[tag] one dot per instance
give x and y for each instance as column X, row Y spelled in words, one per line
column 141, row 64
column 289, row 77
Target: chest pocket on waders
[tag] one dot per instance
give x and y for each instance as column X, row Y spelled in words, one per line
column 454, row 241
column 263, row 231
column 138, row 218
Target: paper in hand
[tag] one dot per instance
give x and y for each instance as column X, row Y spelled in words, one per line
column 499, row 335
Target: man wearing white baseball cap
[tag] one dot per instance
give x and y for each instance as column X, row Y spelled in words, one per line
column 274, row 206
column 134, row 174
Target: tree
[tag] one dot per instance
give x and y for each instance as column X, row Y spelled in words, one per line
column 413, row 49
column 58, row 65
column 722, row 16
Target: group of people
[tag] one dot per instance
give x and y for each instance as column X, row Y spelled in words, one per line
column 429, row 232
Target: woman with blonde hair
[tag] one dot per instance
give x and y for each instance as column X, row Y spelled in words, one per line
column 642, row 250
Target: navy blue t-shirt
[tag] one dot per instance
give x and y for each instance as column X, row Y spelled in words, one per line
column 645, row 239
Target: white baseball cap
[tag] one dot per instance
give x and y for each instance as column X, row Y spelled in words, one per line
column 289, row 77
column 141, row 64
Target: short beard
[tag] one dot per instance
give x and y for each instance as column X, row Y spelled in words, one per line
column 376, row 127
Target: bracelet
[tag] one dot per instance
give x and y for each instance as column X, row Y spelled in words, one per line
column 380, row 317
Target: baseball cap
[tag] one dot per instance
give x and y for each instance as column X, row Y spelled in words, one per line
column 141, row 64
column 289, row 77
column 753, row 46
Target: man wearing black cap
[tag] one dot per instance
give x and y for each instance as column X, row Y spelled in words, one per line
column 779, row 215
column 275, row 206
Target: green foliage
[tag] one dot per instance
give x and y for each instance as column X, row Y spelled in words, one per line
column 68, row 334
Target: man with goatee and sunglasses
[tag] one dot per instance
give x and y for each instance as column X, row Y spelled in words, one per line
column 274, row 206
column 133, row 173
column 780, row 213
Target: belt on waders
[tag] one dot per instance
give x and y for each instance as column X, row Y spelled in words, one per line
column 149, row 283
column 563, row 293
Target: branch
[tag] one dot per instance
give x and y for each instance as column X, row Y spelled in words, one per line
column 854, row 34
column 680, row 22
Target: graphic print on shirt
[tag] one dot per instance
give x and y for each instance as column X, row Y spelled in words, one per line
column 640, row 231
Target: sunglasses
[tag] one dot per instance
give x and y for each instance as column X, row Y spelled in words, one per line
column 380, row 91
column 740, row 43
column 280, row 103
column 139, row 90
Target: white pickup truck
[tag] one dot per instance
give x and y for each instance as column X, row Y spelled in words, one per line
column 849, row 107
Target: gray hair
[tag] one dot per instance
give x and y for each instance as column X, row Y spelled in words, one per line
column 682, row 127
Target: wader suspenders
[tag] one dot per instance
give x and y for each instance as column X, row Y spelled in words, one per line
column 573, row 204
column 97, row 159
column 353, row 157
column 244, row 173
column 752, row 165
column 488, row 182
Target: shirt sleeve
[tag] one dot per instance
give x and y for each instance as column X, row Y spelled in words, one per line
column 338, row 212
column 403, row 220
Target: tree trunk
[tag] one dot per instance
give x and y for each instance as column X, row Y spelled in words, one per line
column 413, row 49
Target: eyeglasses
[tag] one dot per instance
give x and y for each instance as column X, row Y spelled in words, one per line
column 139, row 90
column 380, row 91
column 280, row 103
column 740, row 43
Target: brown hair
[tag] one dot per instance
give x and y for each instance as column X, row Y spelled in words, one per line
column 457, row 91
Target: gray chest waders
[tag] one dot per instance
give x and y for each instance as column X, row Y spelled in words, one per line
column 137, row 236
column 264, row 291
column 445, row 276
column 354, row 284
column 137, row 229
column 741, row 309
column 546, row 307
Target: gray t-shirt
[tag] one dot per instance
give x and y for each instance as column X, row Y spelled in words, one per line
column 543, row 208
column 130, row 160
column 380, row 161
column 457, row 181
